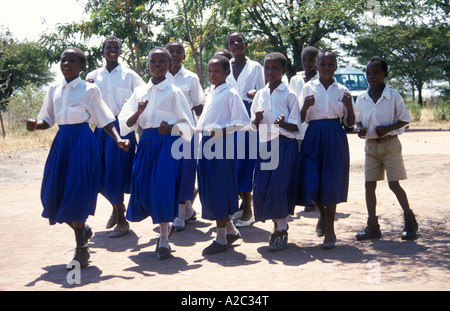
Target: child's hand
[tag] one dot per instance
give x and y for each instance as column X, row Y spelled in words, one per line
column 165, row 128
column 31, row 124
column 382, row 130
column 362, row 132
column 90, row 80
column 251, row 93
column 309, row 101
column 124, row 144
column 280, row 121
column 142, row 104
column 347, row 101
column 259, row 115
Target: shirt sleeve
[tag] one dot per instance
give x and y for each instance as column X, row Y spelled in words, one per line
column 47, row 113
column 196, row 93
column 401, row 110
column 294, row 110
column 100, row 113
column 128, row 109
column 185, row 121
column 239, row 115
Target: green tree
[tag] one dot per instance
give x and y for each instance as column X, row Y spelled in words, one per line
column 21, row 63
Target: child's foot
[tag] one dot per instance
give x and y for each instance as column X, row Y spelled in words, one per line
column 372, row 231
column 411, row 226
column 231, row 238
column 320, row 228
column 245, row 222
column 120, row 230
column 329, row 242
column 278, row 241
column 215, row 248
column 81, row 256
column 112, row 221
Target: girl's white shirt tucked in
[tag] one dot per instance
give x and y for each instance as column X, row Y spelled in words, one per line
column 189, row 83
column 223, row 107
column 250, row 78
column 389, row 109
column 166, row 103
column 328, row 103
column 75, row 102
column 116, row 86
column 282, row 101
column 296, row 84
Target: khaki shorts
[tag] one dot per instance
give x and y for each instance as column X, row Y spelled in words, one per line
column 384, row 155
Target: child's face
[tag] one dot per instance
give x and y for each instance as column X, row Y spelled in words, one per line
column 309, row 62
column 112, row 51
column 71, row 65
column 375, row 75
column 216, row 73
column 236, row 44
column 177, row 53
column 273, row 70
column 326, row 66
column 158, row 64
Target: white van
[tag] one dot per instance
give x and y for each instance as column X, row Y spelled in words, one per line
column 354, row 79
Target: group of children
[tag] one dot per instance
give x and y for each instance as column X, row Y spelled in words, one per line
column 302, row 123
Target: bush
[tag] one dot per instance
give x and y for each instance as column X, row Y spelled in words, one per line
column 441, row 110
column 415, row 110
column 24, row 104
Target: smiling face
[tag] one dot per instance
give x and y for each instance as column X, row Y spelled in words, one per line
column 112, row 51
column 71, row 64
column 158, row 64
column 326, row 66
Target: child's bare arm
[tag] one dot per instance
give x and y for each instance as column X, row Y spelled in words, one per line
column 382, row 130
column 309, row 102
column 198, row 110
column 287, row 126
column 142, row 104
column 33, row 125
column 251, row 93
column 112, row 131
column 362, row 131
column 347, row 101
column 259, row 115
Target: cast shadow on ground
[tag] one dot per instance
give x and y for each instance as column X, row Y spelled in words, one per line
column 59, row 275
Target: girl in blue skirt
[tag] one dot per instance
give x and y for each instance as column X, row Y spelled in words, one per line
column 276, row 114
column 72, row 171
column 189, row 83
column 325, row 160
column 224, row 112
column 247, row 78
column 116, row 82
column 163, row 112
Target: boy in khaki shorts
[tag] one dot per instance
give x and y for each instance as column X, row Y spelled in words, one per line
column 381, row 117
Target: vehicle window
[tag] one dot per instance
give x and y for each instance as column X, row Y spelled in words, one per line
column 352, row 81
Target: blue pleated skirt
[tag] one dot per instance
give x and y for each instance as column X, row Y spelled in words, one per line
column 325, row 163
column 188, row 172
column 217, row 183
column 246, row 166
column 71, row 175
column 275, row 190
column 156, row 179
column 117, row 165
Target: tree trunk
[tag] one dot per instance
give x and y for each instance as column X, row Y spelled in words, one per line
column 3, row 126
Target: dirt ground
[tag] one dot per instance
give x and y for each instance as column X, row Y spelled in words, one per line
column 33, row 255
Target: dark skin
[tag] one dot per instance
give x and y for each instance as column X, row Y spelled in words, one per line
column 273, row 72
column 326, row 65
column 178, row 56
column 309, row 66
column 376, row 78
column 71, row 66
column 158, row 66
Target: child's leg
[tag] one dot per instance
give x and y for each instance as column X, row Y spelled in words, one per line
column 320, row 227
column 371, row 198
column 164, row 235
column 81, row 251
column 180, row 220
column 400, row 194
column 246, row 205
column 279, row 237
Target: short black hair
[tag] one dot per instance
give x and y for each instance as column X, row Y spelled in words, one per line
column 277, row 56
column 79, row 53
column 310, row 50
column 224, row 52
column 380, row 62
column 225, row 62
column 323, row 53
column 175, row 43
column 111, row 39
column 162, row 49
